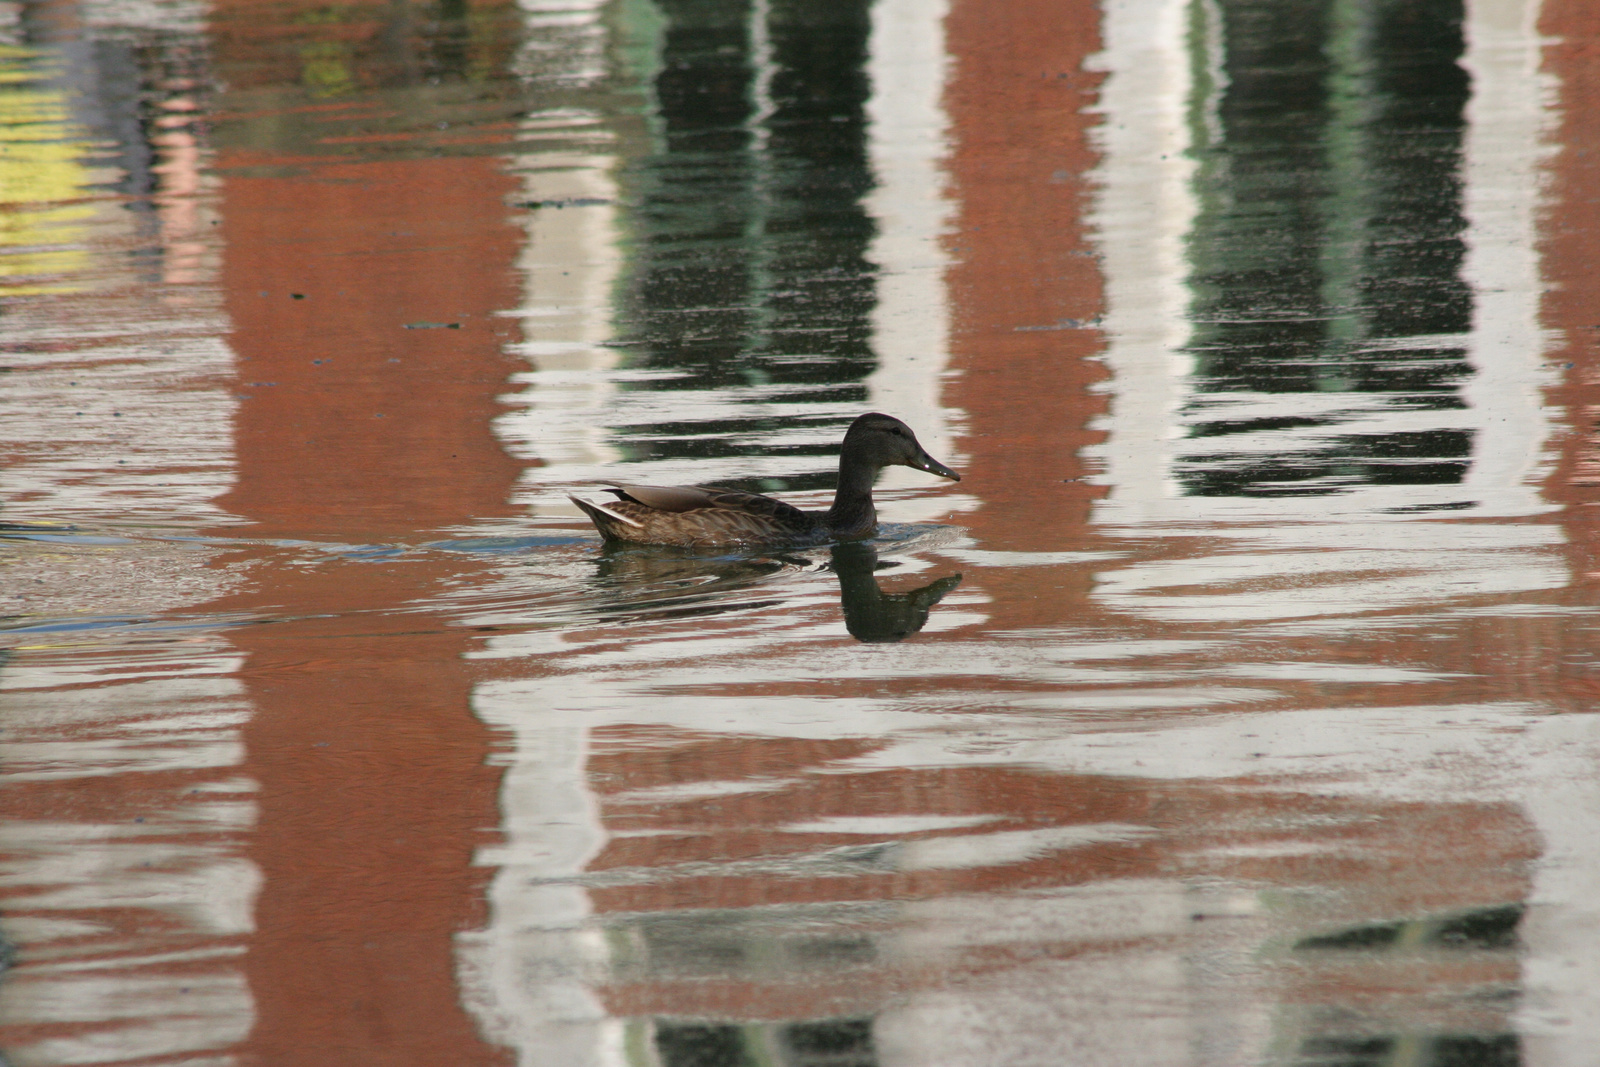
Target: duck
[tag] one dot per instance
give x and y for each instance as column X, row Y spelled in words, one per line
column 709, row 516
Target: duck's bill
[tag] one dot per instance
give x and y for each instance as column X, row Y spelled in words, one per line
column 925, row 462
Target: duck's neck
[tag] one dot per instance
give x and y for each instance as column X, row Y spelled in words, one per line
column 852, row 511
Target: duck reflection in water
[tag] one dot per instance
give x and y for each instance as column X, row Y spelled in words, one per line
column 872, row 615
column 663, row 582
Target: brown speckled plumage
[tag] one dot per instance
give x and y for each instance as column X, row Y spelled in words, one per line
column 707, row 516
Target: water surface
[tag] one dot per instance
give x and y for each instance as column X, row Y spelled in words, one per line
column 1237, row 706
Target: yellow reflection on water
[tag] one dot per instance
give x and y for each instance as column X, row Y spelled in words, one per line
column 43, row 180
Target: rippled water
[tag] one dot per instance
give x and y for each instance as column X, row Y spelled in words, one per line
column 1237, row 707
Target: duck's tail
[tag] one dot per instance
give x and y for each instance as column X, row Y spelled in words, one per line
column 605, row 520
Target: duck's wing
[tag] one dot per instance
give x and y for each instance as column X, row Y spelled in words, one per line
column 665, row 497
column 699, row 515
column 686, row 498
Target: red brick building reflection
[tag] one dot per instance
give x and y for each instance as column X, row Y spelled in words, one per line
column 353, row 429
column 1569, row 240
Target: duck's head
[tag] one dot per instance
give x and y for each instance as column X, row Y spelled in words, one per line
column 884, row 441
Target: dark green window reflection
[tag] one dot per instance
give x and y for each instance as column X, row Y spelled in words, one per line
column 1434, row 1050
column 1435, row 938
column 1486, row 928
column 827, row 1043
column 1327, row 249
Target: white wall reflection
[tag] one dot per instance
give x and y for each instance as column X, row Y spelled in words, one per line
column 569, row 265
column 522, row 976
column 909, row 138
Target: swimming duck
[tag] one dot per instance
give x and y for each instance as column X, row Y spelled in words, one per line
column 703, row 516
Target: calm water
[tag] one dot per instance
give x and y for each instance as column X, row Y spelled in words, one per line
column 1240, row 706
